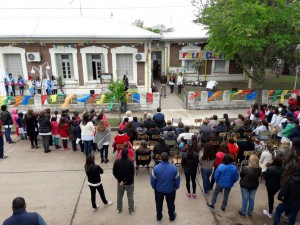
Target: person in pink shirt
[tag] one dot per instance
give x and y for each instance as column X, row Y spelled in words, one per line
column 123, row 124
column 14, row 117
column 130, row 151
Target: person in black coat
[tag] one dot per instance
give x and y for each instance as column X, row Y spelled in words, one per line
column 7, row 123
column 44, row 130
column 247, row 145
column 159, row 148
column 272, row 178
column 149, row 122
column 32, row 128
column 93, row 172
column 190, row 163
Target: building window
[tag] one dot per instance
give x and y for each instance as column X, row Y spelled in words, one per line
column 124, row 65
column 189, row 65
column 65, row 66
column 220, row 65
column 95, row 64
column 13, row 64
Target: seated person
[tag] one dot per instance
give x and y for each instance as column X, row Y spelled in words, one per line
column 169, row 124
column 233, row 149
column 127, row 146
column 185, row 135
column 180, row 128
column 160, row 147
column 262, row 126
column 141, row 130
column 149, row 121
column 135, row 123
column 130, row 131
column 121, row 138
column 123, row 124
column 221, row 127
column 154, row 130
column 205, row 131
column 143, row 150
column 247, row 145
column 214, row 122
column 170, row 135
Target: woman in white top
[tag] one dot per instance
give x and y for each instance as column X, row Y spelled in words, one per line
column 54, row 85
column 266, row 157
column 263, row 126
column 179, row 82
column 87, row 133
column 38, row 85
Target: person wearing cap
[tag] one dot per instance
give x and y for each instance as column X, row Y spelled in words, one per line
column 21, row 216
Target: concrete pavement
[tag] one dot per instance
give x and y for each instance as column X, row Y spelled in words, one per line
column 55, row 185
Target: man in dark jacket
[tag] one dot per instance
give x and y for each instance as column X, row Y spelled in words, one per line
column 165, row 180
column 296, row 131
column 163, row 82
column 159, row 118
column 20, row 216
column 123, row 171
column 6, row 123
column 149, row 121
column 289, row 197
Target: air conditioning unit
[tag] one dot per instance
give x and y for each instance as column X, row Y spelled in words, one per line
column 140, row 57
column 33, row 56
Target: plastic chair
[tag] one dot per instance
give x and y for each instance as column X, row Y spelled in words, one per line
column 143, row 158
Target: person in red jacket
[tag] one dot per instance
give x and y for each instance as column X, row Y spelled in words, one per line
column 64, row 133
column 293, row 102
column 223, row 149
column 55, row 132
column 121, row 138
column 233, row 149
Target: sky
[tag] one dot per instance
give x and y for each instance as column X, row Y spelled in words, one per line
column 171, row 13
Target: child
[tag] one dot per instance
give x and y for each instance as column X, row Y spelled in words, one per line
column 55, row 132
column 78, row 136
column 128, row 146
column 14, row 117
column 77, row 117
column 64, row 134
column 182, row 143
column 57, row 116
column 72, row 135
column 20, row 125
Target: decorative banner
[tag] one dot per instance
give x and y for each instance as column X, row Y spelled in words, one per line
column 246, row 91
column 150, row 97
column 214, row 95
column 282, row 95
column 271, row 92
column 84, row 98
column 251, row 96
column 93, row 98
column 194, row 95
column 296, row 92
column 101, row 99
column 110, row 107
column 18, row 100
column 276, row 93
column 237, row 93
column 7, row 99
column 44, row 98
column 210, row 93
column 67, row 101
column 53, row 98
column 26, row 99
column 2, row 100
column 60, row 95
column 136, row 97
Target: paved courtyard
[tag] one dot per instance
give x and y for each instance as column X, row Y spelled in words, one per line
column 55, row 185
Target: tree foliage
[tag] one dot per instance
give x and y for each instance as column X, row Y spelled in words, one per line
column 251, row 31
column 158, row 29
column 116, row 91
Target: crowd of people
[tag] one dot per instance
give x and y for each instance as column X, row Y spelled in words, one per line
column 270, row 133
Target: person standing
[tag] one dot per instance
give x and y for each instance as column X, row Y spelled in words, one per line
column 21, row 84
column 249, row 183
column 172, row 81
column 102, row 138
column 87, row 133
column 54, row 85
column 190, row 162
column 226, row 175
column 123, row 171
column 163, row 82
column 12, row 84
column 6, row 83
column 45, row 130
column 32, row 128
column 21, row 216
column 2, row 156
column 165, row 180
column 7, row 123
column 93, row 172
column 38, row 85
column 126, row 83
column 179, row 82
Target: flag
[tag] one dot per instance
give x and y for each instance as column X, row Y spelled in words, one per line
column 246, row 91
column 53, row 98
column 282, row 95
column 18, row 100
column 296, row 92
column 2, row 100
column 101, row 100
column 67, row 101
column 210, row 93
column 237, row 93
column 44, row 98
column 7, row 99
column 26, row 99
column 276, row 93
column 251, row 96
column 270, row 92
column 84, row 98
column 214, row 95
column 93, row 98
column 136, row 97
column 150, row 97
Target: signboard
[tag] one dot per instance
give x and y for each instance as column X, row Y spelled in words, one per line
column 205, row 55
column 106, row 78
column 176, row 69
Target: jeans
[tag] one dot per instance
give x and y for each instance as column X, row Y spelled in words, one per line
column 46, row 141
column 93, row 195
column 159, row 199
column 225, row 197
column 282, row 207
column 188, row 178
column 81, row 146
column 163, row 90
column 55, row 140
column 65, row 143
column 13, row 90
column 74, row 148
column 271, row 193
column 21, row 89
column 172, row 88
column 104, row 152
column 206, row 173
column 88, row 147
column 212, row 182
column 179, row 88
column 248, row 195
column 7, row 134
column 1, row 147
column 120, row 193
column 123, row 105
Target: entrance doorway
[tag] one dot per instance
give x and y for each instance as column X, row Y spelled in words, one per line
column 156, row 65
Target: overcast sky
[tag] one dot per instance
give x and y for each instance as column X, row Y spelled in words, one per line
column 171, row 13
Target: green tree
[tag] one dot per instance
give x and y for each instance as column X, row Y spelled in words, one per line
column 116, row 92
column 250, row 31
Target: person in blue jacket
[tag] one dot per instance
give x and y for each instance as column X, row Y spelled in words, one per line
column 21, row 216
column 225, row 176
column 165, row 180
column 21, row 84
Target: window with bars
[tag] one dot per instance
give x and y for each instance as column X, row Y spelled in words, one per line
column 65, row 66
column 220, row 65
column 95, row 64
column 188, row 64
column 124, row 66
column 13, row 64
